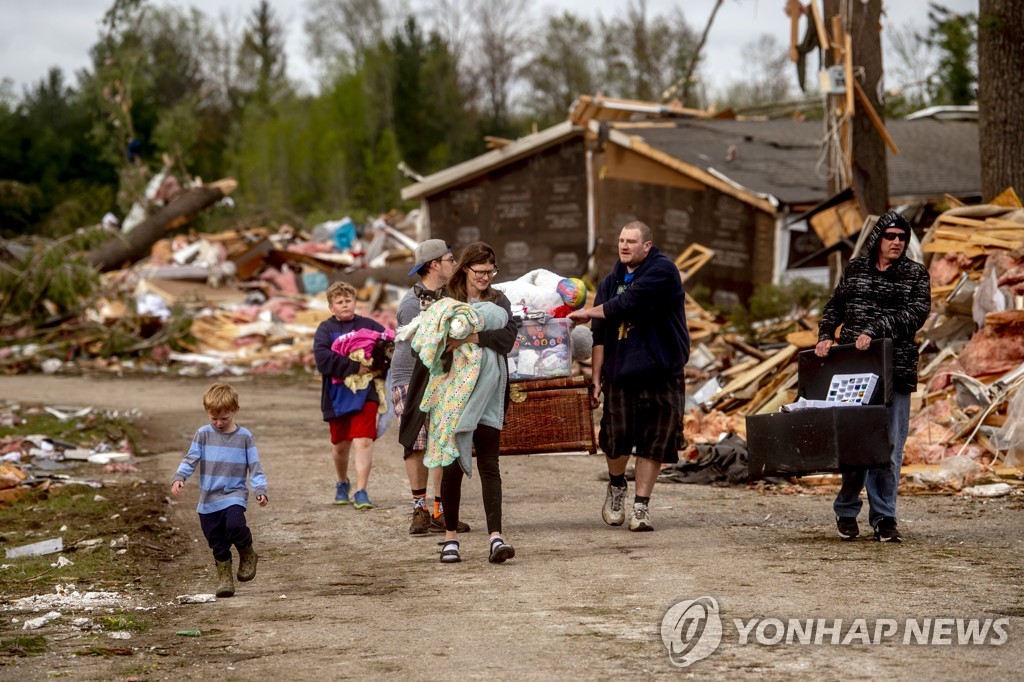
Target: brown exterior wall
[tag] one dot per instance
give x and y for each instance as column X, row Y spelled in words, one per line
column 533, row 212
column 741, row 235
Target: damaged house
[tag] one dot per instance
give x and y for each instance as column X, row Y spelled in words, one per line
column 556, row 199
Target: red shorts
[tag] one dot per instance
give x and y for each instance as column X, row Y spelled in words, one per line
column 361, row 424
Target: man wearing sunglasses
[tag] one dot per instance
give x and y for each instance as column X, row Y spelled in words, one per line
column 882, row 294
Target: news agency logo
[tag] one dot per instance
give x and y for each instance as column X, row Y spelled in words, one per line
column 691, row 630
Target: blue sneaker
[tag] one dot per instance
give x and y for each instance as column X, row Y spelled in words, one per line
column 362, row 500
column 341, row 492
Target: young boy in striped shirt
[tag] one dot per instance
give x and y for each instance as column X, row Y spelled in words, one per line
column 226, row 454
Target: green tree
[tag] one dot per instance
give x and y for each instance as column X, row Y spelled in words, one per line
column 261, row 59
column 563, row 68
column 642, row 55
column 53, row 176
column 431, row 124
column 953, row 36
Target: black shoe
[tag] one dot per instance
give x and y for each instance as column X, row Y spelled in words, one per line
column 500, row 551
column 886, row 530
column 847, row 527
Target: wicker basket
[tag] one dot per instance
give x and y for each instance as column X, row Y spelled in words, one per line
column 549, row 415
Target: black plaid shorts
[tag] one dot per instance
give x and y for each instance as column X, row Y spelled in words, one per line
column 647, row 418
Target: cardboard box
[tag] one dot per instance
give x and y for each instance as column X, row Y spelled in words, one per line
column 542, row 350
column 833, row 439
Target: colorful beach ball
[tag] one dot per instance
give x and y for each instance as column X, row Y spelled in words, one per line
column 573, row 292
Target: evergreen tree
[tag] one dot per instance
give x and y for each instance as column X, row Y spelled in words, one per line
column 953, row 35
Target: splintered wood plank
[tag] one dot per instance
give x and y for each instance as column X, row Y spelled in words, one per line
column 755, row 373
column 1007, row 198
column 950, row 246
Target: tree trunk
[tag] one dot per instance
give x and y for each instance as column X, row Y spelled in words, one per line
column 124, row 249
column 869, row 165
column 1000, row 105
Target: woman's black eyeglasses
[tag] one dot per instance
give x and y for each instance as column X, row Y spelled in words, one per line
column 485, row 273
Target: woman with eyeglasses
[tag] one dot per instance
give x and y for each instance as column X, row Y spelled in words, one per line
column 471, row 283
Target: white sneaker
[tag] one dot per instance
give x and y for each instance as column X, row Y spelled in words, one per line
column 640, row 518
column 614, row 510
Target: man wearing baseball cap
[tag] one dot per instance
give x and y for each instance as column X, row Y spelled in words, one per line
column 435, row 264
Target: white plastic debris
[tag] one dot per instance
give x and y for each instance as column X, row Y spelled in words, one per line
column 50, row 365
column 37, row 548
column 119, row 634
column 68, row 597
column 196, row 598
column 61, row 562
column 108, row 457
column 989, row 490
column 36, row 623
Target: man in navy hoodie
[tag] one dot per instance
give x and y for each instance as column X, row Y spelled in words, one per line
column 640, row 347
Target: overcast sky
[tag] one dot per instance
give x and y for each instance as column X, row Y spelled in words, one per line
column 38, row 34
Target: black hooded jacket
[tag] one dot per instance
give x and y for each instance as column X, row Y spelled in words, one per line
column 892, row 303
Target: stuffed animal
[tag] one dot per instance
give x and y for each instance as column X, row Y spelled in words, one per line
column 373, row 350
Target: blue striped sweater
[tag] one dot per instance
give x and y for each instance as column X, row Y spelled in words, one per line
column 224, row 459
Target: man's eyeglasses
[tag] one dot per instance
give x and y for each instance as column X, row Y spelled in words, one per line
column 485, row 273
column 447, row 259
column 893, row 236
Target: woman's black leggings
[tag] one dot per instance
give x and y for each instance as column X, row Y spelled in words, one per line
column 486, row 440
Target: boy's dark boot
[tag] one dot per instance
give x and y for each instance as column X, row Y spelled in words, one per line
column 247, row 558
column 225, row 581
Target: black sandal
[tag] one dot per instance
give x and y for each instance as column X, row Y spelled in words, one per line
column 500, row 552
column 450, row 552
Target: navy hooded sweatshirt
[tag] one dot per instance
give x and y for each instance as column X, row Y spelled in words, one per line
column 644, row 331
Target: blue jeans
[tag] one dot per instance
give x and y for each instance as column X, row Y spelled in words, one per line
column 880, row 483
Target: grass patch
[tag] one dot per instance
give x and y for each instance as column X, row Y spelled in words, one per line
column 129, row 510
column 23, row 645
column 124, row 622
column 92, row 429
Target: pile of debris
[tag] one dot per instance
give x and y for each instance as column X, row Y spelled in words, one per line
column 965, row 416
column 239, row 301
column 36, row 461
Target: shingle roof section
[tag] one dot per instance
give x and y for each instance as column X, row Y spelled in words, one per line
column 785, row 158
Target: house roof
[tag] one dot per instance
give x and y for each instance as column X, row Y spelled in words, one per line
column 784, row 158
column 459, row 173
column 779, row 161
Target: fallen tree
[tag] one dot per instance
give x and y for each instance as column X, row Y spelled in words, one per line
column 124, row 249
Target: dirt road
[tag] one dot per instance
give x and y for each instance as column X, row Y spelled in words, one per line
column 346, row 594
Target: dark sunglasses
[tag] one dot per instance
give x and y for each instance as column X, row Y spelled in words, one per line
column 893, row 236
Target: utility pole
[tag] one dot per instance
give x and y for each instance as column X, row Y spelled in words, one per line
column 858, row 158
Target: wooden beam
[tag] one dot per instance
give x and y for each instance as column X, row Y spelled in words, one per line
column 702, row 176
column 819, row 25
column 692, row 259
column 876, row 120
column 751, row 375
column 794, row 9
column 848, row 71
column 625, row 164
